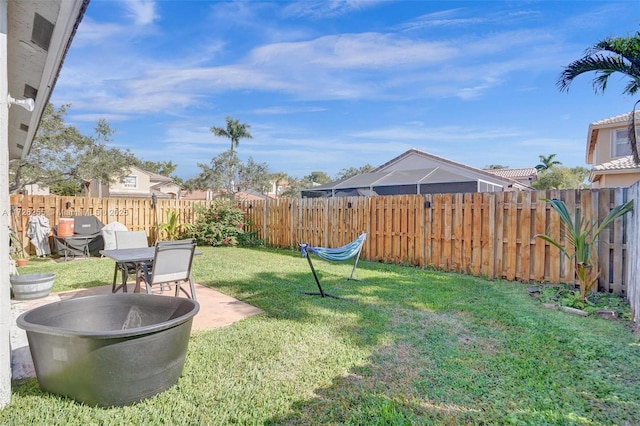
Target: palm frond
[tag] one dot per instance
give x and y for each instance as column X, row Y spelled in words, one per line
column 605, row 58
column 633, row 135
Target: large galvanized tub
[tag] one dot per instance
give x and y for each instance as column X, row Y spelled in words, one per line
column 31, row 286
column 109, row 350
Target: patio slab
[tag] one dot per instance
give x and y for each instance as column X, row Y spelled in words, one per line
column 216, row 310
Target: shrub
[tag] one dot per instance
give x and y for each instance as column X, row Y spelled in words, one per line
column 221, row 223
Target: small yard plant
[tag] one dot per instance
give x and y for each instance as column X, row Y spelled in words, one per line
column 581, row 235
column 172, row 229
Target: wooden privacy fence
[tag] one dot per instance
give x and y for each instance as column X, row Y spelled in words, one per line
column 135, row 213
column 482, row 234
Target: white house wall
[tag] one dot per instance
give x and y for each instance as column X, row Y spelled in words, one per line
column 142, row 185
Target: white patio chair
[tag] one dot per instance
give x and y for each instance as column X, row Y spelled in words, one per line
column 171, row 266
column 126, row 240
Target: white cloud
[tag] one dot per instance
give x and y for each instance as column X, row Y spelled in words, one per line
column 327, row 8
column 143, row 12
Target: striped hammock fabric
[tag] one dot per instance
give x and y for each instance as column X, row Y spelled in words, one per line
column 335, row 254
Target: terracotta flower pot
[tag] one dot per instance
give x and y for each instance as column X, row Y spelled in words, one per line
column 22, row 261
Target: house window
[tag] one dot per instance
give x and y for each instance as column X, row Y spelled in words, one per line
column 621, row 145
column 130, row 182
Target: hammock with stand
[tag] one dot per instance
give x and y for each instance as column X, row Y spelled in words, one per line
column 338, row 254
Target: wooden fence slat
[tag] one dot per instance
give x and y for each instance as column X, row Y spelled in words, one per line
column 467, row 233
column 477, row 243
column 524, row 222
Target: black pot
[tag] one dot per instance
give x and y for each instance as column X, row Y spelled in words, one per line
column 109, row 350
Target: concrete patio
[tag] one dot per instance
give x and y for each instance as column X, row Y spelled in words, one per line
column 216, row 310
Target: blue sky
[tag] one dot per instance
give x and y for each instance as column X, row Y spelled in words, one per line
column 327, row 85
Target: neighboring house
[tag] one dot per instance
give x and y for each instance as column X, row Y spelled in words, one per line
column 137, row 184
column 276, row 192
column 525, row 176
column 417, row 172
column 609, row 152
column 35, row 189
column 210, row 194
column 198, row 194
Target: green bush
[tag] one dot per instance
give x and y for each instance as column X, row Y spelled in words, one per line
column 222, row 223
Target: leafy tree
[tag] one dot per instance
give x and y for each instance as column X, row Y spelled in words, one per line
column 68, row 187
column 547, row 162
column 295, row 186
column 354, row 171
column 318, row 177
column 562, row 178
column 218, row 174
column 254, row 176
column 495, row 167
column 221, row 174
column 164, row 168
column 61, row 154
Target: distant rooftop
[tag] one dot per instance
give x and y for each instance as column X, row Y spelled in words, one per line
column 514, row 173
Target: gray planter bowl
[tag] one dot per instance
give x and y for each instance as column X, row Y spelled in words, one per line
column 109, row 350
column 31, row 286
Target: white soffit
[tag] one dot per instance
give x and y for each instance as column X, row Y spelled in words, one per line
column 39, row 34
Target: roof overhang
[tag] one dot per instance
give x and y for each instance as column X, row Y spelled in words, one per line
column 39, row 34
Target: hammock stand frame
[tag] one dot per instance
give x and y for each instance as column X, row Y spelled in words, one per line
column 321, row 292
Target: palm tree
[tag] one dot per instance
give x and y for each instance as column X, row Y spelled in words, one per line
column 547, row 162
column 234, row 131
column 614, row 54
column 633, row 135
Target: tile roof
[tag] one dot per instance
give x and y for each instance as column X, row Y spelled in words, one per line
column 622, row 163
column 514, row 173
column 622, row 118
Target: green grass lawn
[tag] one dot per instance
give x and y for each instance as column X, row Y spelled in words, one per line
column 409, row 347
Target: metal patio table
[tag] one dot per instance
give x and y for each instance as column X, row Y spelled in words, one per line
column 129, row 255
